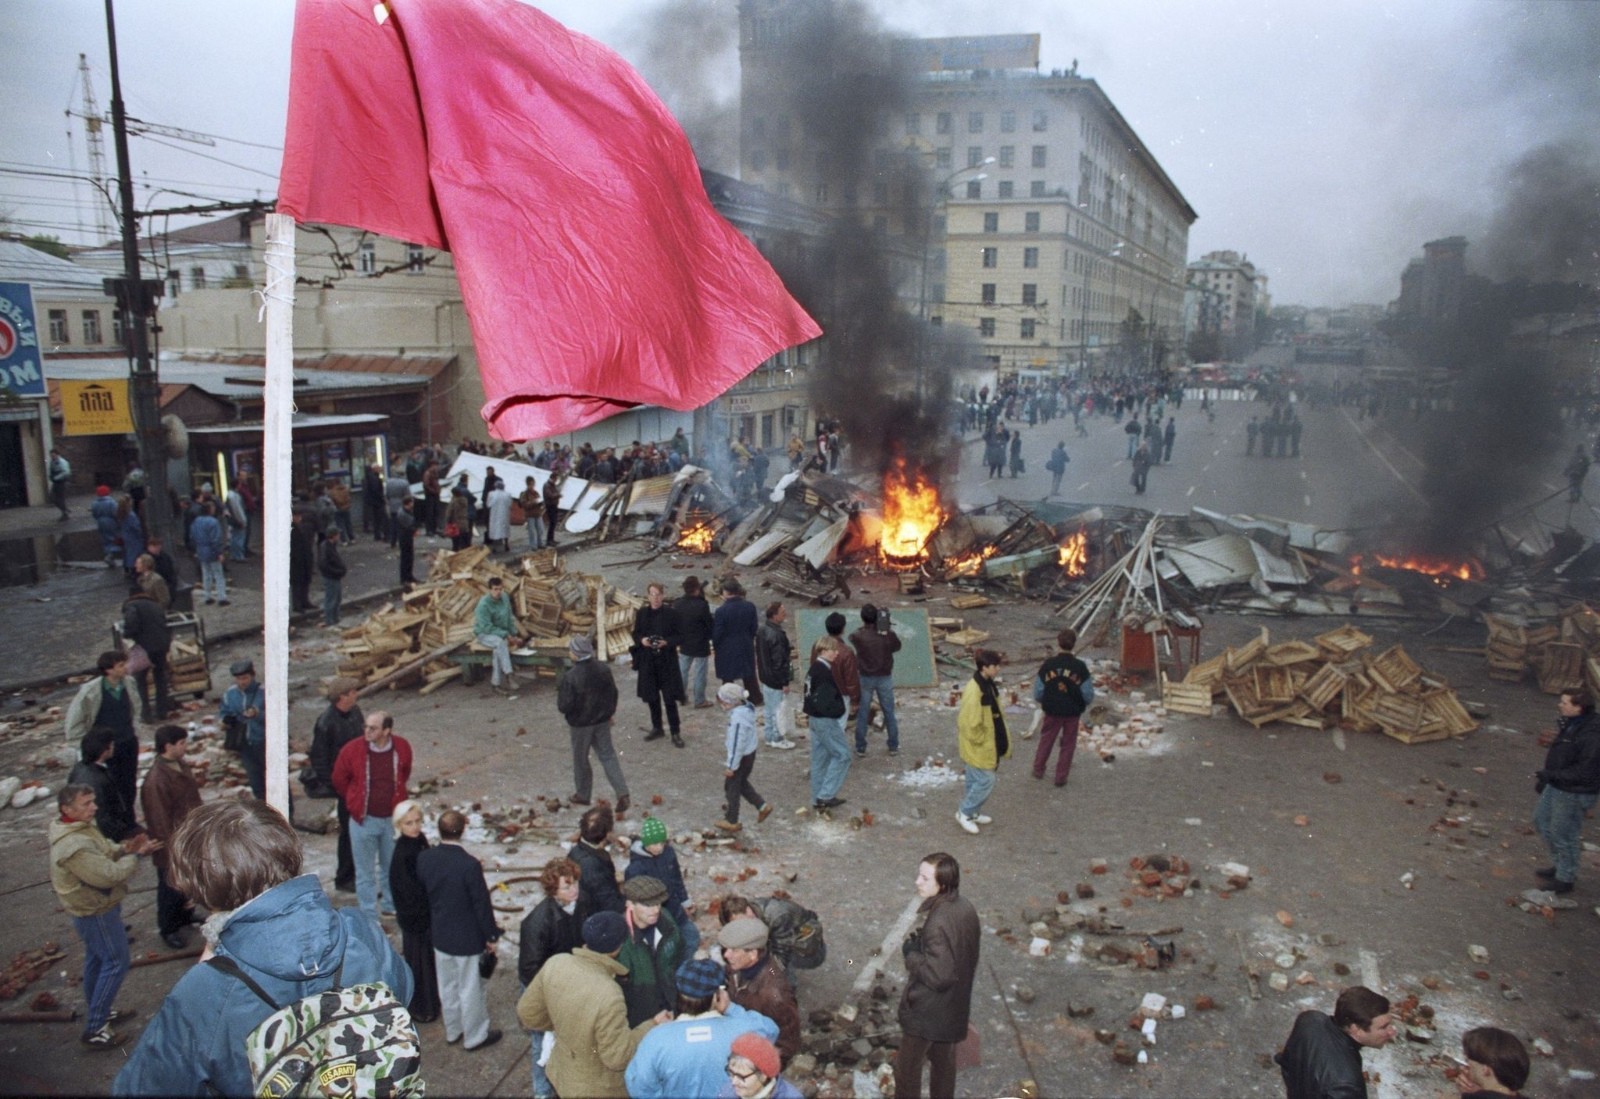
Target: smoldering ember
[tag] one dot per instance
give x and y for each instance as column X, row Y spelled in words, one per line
column 1328, row 574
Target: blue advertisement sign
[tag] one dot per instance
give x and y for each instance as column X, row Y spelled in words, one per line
column 21, row 372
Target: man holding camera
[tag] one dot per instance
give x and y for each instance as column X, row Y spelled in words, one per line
column 875, row 644
column 655, row 658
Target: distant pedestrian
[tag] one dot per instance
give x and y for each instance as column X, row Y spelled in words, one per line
column 332, row 569
column 151, row 581
column 462, row 924
column 497, row 532
column 302, row 558
column 552, row 506
column 586, row 696
column 458, row 516
column 1568, row 785
column 1132, row 430
column 1141, row 469
column 825, row 706
column 206, row 534
column 396, row 489
column 532, row 503
column 236, row 520
column 169, row 794
column 941, row 959
column 90, row 873
column 339, row 496
column 983, row 739
column 371, row 775
column 405, row 523
column 1057, row 465
column 412, row 912
column 1017, row 465
column 245, row 704
column 695, row 625
column 1295, row 427
column 773, row 668
column 875, row 644
column 1322, row 1058
column 59, row 472
column 1167, row 438
column 1251, row 430
column 733, row 639
column 374, row 514
column 739, row 758
column 104, row 511
column 655, row 659
column 105, row 701
column 337, row 726
column 1059, row 688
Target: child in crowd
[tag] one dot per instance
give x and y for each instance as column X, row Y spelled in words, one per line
column 652, row 854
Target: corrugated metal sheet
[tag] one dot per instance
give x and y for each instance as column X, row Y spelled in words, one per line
column 649, row 496
column 1215, row 562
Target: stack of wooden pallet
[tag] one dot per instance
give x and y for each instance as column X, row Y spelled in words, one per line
column 413, row 640
column 1333, row 680
column 1563, row 655
column 186, row 668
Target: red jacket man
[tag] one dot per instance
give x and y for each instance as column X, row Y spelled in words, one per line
column 370, row 776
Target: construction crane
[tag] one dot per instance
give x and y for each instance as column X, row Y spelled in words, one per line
column 93, row 121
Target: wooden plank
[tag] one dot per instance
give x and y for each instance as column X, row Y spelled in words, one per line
column 1324, row 688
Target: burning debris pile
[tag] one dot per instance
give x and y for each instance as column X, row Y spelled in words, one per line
column 1332, row 681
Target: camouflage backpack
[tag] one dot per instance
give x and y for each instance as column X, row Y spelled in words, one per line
column 346, row 1042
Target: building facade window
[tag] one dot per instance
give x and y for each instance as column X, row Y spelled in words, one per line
column 1030, row 221
column 941, row 157
column 414, row 258
column 91, row 326
column 1007, row 188
column 991, row 257
column 1036, row 189
column 1008, row 156
column 1030, row 293
column 1039, row 155
column 986, row 327
column 1027, row 328
column 1008, row 122
column 367, row 258
column 197, row 278
column 975, row 188
column 975, row 122
column 1030, row 257
column 991, row 222
column 986, row 293
column 941, row 122
column 58, row 326
column 974, row 156
column 1041, row 121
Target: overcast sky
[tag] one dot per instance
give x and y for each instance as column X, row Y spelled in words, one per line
column 1325, row 141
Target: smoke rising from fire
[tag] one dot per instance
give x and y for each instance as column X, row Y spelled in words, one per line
column 688, row 53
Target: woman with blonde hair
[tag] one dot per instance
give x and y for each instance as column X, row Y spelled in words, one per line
column 411, row 910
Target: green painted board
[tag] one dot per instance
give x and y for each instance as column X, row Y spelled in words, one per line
column 913, row 664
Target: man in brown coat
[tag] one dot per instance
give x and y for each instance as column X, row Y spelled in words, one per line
column 576, row 995
column 170, row 793
column 941, row 955
column 757, row 981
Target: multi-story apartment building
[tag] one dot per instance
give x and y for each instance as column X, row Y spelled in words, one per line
column 1228, row 281
column 1043, row 217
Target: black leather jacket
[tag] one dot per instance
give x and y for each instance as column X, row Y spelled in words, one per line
column 1573, row 762
column 772, row 655
column 1320, row 1061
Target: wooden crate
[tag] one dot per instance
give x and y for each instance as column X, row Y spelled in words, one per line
column 1185, row 698
column 1444, row 707
column 1286, row 653
column 1560, row 667
column 1305, row 716
column 1324, row 688
column 1393, row 669
column 1239, row 660
column 1343, row 643
column 1208, row 673
column 1274, row 685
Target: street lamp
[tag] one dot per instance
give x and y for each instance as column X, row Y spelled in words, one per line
column 941, row 194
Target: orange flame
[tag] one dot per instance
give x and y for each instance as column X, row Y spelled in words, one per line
column 1436, row 567
column 1074, row 554
column 969, row 564
column 697, row 539
column 911, row 515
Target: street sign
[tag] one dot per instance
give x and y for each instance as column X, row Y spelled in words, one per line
column 96, row 408
column 20, row 370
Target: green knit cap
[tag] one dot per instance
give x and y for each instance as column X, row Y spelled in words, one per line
column 653, row 830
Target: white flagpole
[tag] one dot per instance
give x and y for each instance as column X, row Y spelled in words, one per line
column 277, row 493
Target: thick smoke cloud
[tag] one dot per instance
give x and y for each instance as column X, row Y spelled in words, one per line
column 688, row 53
column 1550, row 230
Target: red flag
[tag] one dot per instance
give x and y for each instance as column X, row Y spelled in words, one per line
column 596, row 274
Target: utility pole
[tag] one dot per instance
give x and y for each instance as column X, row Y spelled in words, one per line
column 136, row 299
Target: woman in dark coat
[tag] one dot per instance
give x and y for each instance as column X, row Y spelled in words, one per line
column 941, row 955
column 411, row 911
